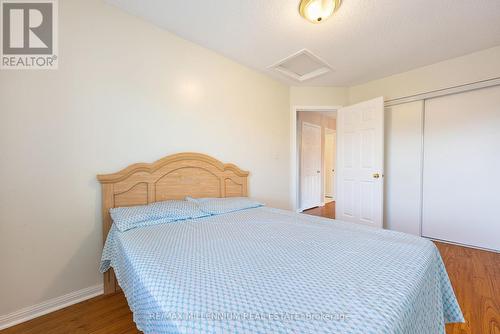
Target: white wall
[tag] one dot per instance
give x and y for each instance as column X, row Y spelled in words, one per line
column 318, row 96
column 125, row 91
column 474, row 67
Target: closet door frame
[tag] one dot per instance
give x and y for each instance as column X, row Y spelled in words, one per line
column 435, row 94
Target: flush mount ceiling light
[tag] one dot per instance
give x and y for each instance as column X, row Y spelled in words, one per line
column 317, row 11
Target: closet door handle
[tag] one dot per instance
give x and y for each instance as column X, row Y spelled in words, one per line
column 376, row 175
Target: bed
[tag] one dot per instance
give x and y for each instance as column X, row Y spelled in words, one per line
column 263, row 270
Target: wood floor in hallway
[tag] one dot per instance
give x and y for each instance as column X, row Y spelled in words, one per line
column 328, row 210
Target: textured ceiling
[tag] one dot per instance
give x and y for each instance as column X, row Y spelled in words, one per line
column 364, row 40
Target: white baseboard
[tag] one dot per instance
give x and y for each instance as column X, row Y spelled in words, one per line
column 48, row 306
column 463, row 245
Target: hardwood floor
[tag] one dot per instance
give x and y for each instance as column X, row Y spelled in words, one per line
column 327, row 211
column 101, row 315
column 474, row 274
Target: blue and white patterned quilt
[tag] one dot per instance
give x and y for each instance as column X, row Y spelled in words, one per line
column 266, row 270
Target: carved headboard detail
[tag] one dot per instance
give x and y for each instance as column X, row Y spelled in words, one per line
column 173, row 177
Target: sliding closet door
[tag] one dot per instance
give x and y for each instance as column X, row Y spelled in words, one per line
column 403, row 167
column 461, row 189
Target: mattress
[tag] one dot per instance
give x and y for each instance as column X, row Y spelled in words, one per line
column 265, row 270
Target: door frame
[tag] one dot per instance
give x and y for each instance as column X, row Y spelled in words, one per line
column 334, row 186
column 294, row 156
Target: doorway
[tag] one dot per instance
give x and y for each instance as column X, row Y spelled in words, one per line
column 316, row 152
column 357, row 189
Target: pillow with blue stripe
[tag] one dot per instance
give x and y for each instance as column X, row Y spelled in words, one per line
column 217, row 206
column 126, row 218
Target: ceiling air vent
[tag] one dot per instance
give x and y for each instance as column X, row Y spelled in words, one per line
column 302, row 66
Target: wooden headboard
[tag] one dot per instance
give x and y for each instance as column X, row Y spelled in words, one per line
column 173, row 177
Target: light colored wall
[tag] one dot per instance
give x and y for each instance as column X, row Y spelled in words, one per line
column 125, row 92
column 474, row 67
column 318, row 96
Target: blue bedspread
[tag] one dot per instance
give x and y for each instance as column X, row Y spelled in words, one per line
column 265, row 270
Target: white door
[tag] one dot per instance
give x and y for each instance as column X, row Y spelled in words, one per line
column 310, row 166
column 461, row 188
column 403, row 167
column 330, row 157
column 360, row 162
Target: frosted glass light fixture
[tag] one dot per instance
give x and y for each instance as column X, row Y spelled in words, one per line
column 317, row 11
